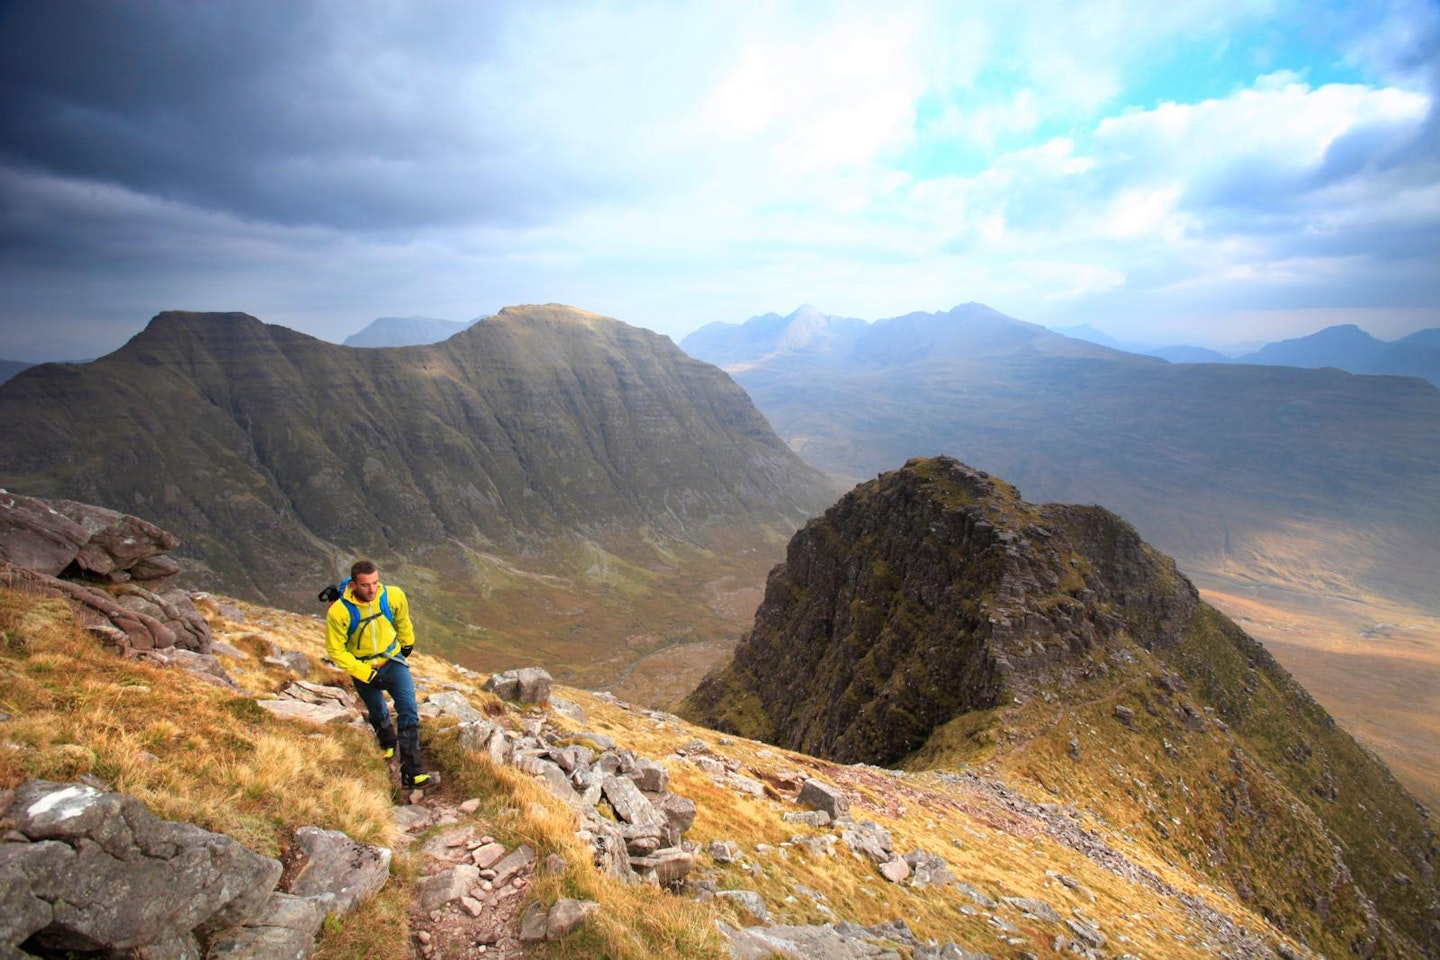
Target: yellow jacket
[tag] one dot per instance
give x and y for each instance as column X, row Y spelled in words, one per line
column 358, row 655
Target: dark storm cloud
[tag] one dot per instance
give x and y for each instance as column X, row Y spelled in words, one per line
column 346, row 115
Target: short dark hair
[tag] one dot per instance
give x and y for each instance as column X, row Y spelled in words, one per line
column 363, row 566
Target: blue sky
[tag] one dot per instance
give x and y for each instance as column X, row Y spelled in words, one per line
column 1205, row 173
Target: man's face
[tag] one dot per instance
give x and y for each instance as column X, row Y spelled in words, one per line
column 365, row 586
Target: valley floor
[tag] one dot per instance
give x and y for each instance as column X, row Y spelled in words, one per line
column 1372, row 663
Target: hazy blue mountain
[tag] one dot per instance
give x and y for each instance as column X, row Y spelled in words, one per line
column 806, row 331
column 406, row 331
column 1345, row 347
column 8, row 368
column 810, row 338
column 1429, row 337
column 1085, row 331
column 1271, row 473
column 1184, row 354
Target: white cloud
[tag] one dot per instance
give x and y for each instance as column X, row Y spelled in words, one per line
column 678, row 163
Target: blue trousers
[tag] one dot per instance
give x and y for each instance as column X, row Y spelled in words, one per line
column 393, row 678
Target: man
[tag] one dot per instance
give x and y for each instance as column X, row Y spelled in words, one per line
column 368, row 634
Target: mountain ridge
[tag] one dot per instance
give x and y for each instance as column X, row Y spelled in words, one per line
column 932, row 618
column 565, row 442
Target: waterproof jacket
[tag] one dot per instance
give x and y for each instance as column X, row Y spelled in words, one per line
column 359, row 655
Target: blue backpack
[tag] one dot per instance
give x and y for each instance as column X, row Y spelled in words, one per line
column 332, row 593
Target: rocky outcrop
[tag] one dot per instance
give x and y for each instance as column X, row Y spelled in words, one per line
column 97, row 870
column 839, row 941
column 111, row 566
column 935, row 593
column 637, row 838
column 526, row 685
column 85, row 870
column 927, row 593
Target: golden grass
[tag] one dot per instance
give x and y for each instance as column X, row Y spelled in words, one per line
column 1004, row 855
column 196, row 752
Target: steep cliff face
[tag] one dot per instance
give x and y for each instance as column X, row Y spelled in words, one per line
column 934, row 619
column 932, row 591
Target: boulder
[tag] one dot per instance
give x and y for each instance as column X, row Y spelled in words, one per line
column 810, row 818
column 434, row 891
column 452, row 704
column 928, row 868
column 526, row 685
column 566, row 915
column 114, row 540
column 534, row 685
column 629, row 804
column 1034, row 908
column 869, row 839
column 666, row 867
column 895, row 870
column 314, row 702
column 649, row 776
column 99, row 871
column 475, row 734
column 679, row 813
column 487, row 855
column 568, row 709
column 534, row 923
column 285, row 929
column 291, row 660
column 35, row 536
column 513, row 863
column 818, row 795
column 723, row 851
column 506, row 685
column 609, row 844
column 749, row 901
column 335, row 870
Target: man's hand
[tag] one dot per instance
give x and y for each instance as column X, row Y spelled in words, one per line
column 405, row 651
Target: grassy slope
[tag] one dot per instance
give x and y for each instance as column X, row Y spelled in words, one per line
column 230, row 767
column 1197, row 789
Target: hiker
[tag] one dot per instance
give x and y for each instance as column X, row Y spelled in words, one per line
column 368, row 634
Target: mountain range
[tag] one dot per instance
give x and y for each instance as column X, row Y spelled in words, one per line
column 1319, row 479
column 1344, row 347
column 933, row 619
column 547, row 476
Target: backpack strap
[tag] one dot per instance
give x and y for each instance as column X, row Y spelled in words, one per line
column 355, row 622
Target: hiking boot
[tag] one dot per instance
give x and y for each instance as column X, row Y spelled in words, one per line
column 388, row 752
column 421, row 781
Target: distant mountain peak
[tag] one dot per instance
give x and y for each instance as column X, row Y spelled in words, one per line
column 405, row 331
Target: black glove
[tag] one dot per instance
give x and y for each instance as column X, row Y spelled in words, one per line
column 405, row 651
